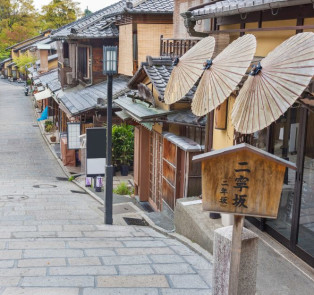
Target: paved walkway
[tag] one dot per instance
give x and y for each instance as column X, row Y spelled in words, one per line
column 52, row 240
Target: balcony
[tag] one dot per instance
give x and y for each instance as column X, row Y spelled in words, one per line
column 176, row 47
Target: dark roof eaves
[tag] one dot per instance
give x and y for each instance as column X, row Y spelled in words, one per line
column 74, row 37
column 152, row 80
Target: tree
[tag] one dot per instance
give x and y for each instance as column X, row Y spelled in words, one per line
column 25, row 59
column 59, row 13
column 21, row 12
column 18, row 21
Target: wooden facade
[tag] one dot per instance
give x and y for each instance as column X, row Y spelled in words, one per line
column 288, row 136
column 81, row 61
column 163, row 171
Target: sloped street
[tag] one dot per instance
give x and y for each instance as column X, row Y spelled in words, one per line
column 53, row 240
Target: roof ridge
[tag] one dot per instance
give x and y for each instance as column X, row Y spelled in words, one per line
column 94, row 14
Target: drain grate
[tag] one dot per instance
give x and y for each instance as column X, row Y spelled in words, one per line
column 62, row 178
column 78, row 192
column 44, row 186
column 35, row 125
column 135, row 221
column 11, row 198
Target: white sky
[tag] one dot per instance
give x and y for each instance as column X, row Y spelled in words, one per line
column 93, row 5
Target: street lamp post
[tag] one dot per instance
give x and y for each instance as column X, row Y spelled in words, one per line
column 110, row 69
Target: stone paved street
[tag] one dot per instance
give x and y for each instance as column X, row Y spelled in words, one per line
column 53, row 241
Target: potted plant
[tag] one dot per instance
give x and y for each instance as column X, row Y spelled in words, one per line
column 49, row 126
column 122, row 146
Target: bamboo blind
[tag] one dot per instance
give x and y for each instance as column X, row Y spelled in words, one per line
column 126, row 50
column 149, row 39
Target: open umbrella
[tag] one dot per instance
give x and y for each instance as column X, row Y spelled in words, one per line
column 274, row 84
column 188, row 69
column 223, row 74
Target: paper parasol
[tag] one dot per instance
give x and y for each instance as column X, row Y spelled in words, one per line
column 188, row 69
column 223, row 75
column 275, row 84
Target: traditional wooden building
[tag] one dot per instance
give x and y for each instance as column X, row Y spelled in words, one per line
column 24, row 47
column 83, row 93
column 271, row 22
column 166, row 137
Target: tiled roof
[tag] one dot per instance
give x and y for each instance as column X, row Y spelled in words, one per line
column 139, row 110
column 187, row 117
column 30, row 40
column 101, row 23
column 158, row 70
column 24, row 47
column 51, row 80
column 5, row 60
column 232, row 7
column 183, row 143
column 90, row 21
column 78, row 99
column 151, row 6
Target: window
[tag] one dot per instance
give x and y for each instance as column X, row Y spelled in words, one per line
column 84, row 64
column 65, row 50
column 195, row 133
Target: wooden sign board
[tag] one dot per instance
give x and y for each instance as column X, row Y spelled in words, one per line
column 242, row 180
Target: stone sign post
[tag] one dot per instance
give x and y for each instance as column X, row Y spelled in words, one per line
column 244, row 181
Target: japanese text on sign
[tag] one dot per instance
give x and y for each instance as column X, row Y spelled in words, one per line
column 240, row 183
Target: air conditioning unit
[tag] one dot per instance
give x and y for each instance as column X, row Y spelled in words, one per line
column 69, row 78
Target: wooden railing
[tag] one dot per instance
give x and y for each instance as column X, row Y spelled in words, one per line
column 176, row 47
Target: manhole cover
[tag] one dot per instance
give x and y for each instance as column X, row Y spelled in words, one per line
column 135, row 221
column 8, row 198
column 78, row 192
column 44, row 186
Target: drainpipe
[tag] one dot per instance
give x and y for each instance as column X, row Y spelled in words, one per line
column 190, row 25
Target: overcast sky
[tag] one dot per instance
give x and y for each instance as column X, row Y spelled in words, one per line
column 93, row 5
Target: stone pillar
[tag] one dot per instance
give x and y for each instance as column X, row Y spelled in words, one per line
column 222, row 257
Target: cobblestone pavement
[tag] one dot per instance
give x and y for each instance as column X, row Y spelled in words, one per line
column 52, row 240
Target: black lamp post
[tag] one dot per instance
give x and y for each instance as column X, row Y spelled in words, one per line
column 110, row 69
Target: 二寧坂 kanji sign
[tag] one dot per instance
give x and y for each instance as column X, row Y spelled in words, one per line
column 242, row 180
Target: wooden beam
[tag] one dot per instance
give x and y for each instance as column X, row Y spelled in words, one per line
column 271, row 29
column 300, row 22
column 304, row 11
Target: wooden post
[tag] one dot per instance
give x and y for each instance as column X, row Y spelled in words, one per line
column 235, row 254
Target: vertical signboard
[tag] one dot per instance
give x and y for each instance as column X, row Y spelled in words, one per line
column 74, row 132
column 95, row 151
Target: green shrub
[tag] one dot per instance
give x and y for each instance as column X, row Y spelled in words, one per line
column 122, row 144
column 122, row 189
column 48, row 128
